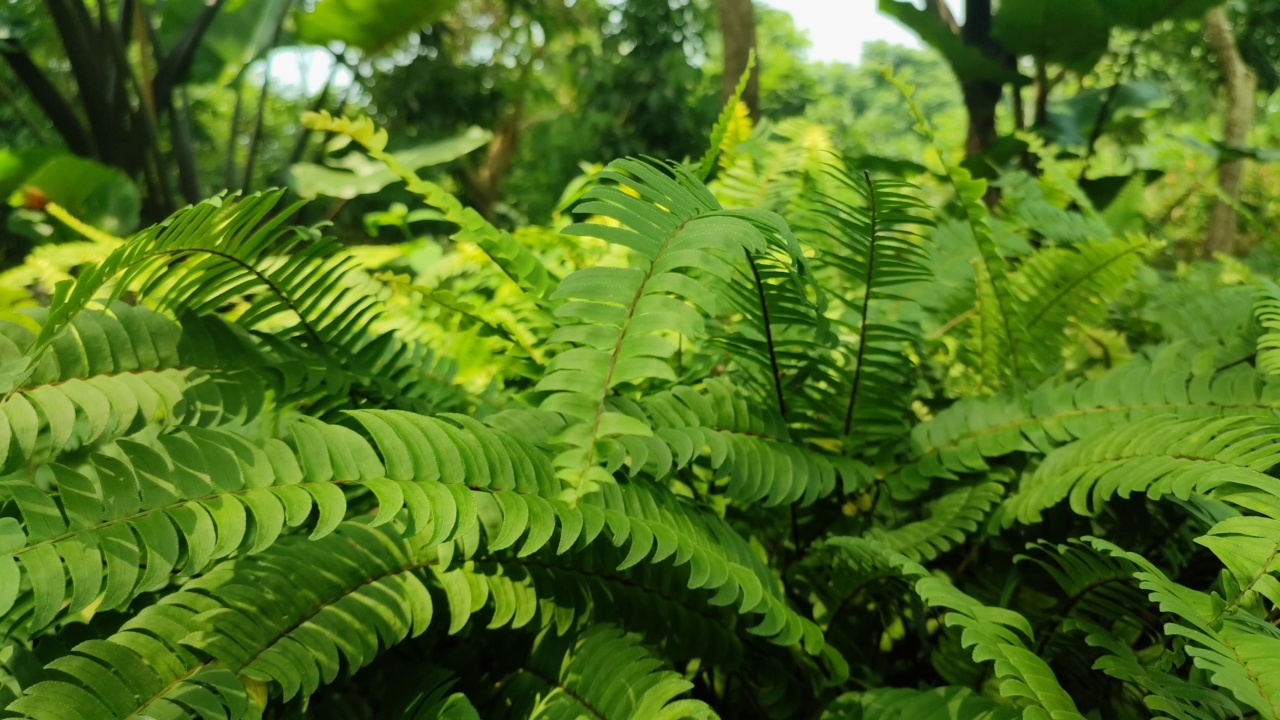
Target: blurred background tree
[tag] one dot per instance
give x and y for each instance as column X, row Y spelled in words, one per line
column 124, row 110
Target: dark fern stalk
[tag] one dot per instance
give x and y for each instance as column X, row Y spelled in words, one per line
column 768, row 336
column 866, row 304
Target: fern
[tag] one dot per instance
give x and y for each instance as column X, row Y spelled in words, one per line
column 507, row 253
column 689, row 466
column 961, row 436
column 571, row 677
column 876, row 248
column 951, row 518
column 946, row 703
column 618, row 323
column 1002, row 339
column 1267, row 310
column 1059, row 289
column 1159, row 456
column 1240, row 652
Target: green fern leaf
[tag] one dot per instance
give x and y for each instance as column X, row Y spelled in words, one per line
column 950, row 518
column 959, row 438
column 1240, row 652
column 1266, row 309
column 512, row 257
column 944, row 703
column 1002, row 337
column 602, row 673
column 620, row 322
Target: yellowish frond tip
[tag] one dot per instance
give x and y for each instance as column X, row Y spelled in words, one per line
column 79, row 226
column 736, row 132
column 360, row 129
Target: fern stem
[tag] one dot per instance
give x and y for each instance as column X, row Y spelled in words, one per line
column 549, row 682
column 1079, row 281
column 617, row 348
column 258, row 274
column 866, row 303
column 768, row 336
column 139, row 710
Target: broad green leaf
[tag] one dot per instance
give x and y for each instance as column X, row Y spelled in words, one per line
column 369, row 25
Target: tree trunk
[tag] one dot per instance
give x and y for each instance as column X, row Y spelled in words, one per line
column 484, row 183
column 738, row 29
column 980, row 96
column 1241, row 83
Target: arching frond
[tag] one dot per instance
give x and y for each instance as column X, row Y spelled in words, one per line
column 1162, row 691
column 620, row 324
column 507, row 253
column 1158, row 456
column 867, row 230
column 775, row 322
column 1003, row 354
column 1061, row 288
column 746, row 446
column 959, row 438
column 944, row 703
column 1266, row 309
column 602, row 673
column 1239, row 651
column 949, row 519
column 1002, row 636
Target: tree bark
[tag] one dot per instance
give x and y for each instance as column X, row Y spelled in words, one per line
column 980, row 96
column 484, row 183
column 1241, row 84
column 738, row 30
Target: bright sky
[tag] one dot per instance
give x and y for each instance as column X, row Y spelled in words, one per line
column 838, row 28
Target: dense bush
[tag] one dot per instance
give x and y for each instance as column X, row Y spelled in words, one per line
column 789, row 444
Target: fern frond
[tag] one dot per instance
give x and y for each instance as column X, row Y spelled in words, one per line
column 1266, row 309
column 118, row 370
column 584, row 585
column 1060, row 288
column 197, row 649
column 602, row 673
column 748, row 447
column 958, row 439
column 432, row 700
column 507, row 253
column 776, row 167
column 1162, row 691
column 1239, row 651
column 1094, row 585
column 1157, row 456
column 994, row 634
column 1002, row 339
column 655, row 525
column 619, row 323
column 876, row 247
column 775, row 320
column 728, row 114
column 944, row 703
column 950, row 519
column 226, row 251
